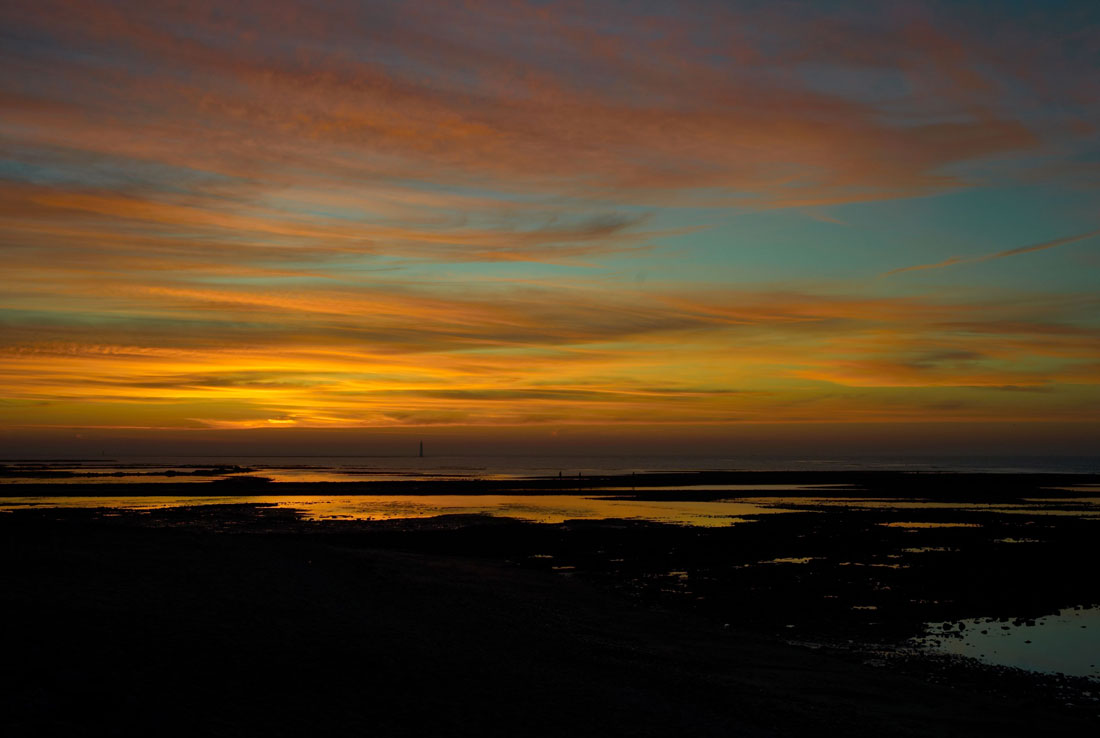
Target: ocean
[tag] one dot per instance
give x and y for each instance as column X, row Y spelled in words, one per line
column 150, row 469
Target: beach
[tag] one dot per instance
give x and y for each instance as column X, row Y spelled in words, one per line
column 249, row 619
column 525, row 368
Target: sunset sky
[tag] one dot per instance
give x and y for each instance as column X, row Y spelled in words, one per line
column 618, row 222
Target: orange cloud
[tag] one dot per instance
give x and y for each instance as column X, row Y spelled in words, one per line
column 276, row 213
column 391, row 357
column 724, row 120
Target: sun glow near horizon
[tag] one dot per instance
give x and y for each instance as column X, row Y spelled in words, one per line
column 330, row 215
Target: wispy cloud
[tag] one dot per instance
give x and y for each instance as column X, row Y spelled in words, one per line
column 605, row 110
column 334, row 213
column 958, row 260
column 1040, row 246
column 415, row 355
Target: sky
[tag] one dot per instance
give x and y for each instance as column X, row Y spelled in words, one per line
column 630, row 225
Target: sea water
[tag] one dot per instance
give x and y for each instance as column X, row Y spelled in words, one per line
column 147, row 469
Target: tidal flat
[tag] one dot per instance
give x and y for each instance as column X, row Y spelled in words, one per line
column 810, row 613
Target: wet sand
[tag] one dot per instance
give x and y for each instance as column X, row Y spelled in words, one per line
column 248, row 620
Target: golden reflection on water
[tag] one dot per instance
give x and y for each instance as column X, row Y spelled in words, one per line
column 555, row 508
column 534, row 508
column 540, row 508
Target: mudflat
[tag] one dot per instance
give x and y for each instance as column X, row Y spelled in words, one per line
column 243, row 620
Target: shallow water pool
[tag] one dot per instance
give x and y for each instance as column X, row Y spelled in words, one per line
column 1066, row 643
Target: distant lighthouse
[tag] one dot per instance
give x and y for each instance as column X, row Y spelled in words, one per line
column 422, row 449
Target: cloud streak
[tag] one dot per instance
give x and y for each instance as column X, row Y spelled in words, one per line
column 958, row 260
column 614, row 114
column 345, row 214
column 392, row 357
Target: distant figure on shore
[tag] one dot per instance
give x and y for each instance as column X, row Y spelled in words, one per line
column 421, row 449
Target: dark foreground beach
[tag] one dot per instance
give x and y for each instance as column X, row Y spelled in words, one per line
column 247, row 619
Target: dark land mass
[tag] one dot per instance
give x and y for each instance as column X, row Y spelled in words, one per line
column 243, row 620
column 967, row 486
column 47, row 473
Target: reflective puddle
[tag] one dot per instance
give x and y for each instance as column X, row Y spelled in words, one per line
column 533, row 508
column 1067, row 643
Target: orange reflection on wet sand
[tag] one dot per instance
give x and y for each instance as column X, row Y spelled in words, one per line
column 533, row 508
